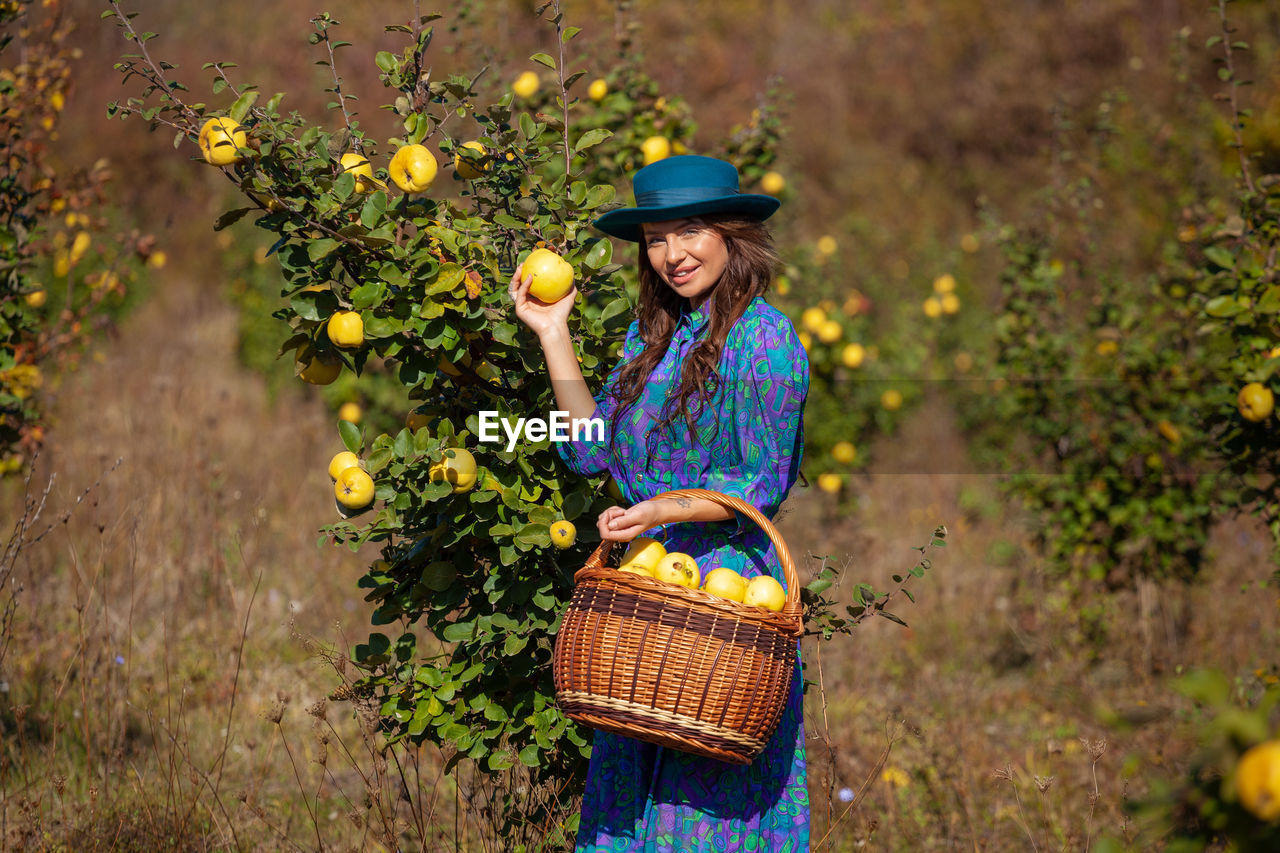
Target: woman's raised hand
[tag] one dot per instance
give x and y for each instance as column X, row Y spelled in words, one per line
column 541, row 317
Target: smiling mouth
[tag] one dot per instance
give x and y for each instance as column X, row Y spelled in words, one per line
column 682, row 275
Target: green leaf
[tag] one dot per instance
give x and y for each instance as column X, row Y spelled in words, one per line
column 321, row 248
column 350, row 434
column 374, row 208
column 1223, row 306
column 569, row 33
column 386, row 60
column 544, row 59
column 231, row 217
column 1220, row 256
column 592, row 137
column 600, row 253
column 456, row 632
column 243, row 104
column 530, row 756
column 500, row 761
column 600, row 194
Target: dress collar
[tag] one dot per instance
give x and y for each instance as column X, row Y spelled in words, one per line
column 693, row 318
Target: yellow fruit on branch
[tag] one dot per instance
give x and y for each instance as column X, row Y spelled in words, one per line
column 764, row 591
column 679, row 569
column 563, row 534
column 932, row 307
column 844, row 452
column 891, row 400
column 346, row 329
column 350, row 411
column 950, row 303
column 829, row 332
column 1255, row 402
column 830, row 482
column 853, row 355
column 359, row 165
column 314, row 369
column 812, row 318
column 552, row 275
column 457, row 467
column 412, row 168
column 773, row 183
column 598, row 89
column 341, row 462
column 354, row 488
column 470, row 167
column 944, row 283
column 726, row 583
column 1257, row 779
column 36, row 298
column 655, row 148
column 526, row 85
column 416, row 420
column 827, row 245
column 219, row 140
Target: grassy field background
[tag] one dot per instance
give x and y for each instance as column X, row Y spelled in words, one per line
column 171, row 647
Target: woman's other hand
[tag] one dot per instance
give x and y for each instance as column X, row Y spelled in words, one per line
column 623, row 525
column 542, row 318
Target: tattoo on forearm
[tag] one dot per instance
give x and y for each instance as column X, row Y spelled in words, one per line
column 683, row 502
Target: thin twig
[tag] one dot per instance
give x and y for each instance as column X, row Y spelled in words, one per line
column 1232, row 84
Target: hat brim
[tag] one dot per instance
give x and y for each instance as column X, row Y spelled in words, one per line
column 625, row 223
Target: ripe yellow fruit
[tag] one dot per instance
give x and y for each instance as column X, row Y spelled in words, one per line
column 563, row 534
column 773, row 183
column 806, row 340
column 416, row 420
column 1106, row 348
column 944, row 283
column 827, row 245
column 726, row 583
column 313, row 369
column 969, row 244
column 891, row 399
column 829, row 332
column 950, row 303
column 350, row 411
column 1257, row 780
column 526, row 84
column 813, row 318
column 932, row 307
column 844, row 452
column 36, row 298
column 354, row 488
column 598, row 89
column 655, row 148
column 346, row 329
column 219, row 138
column 359, row 165
column 552, row 275
column 645, row 552
column 764, row 591
column 679, row 569
column 636, row 569
column 830, row 482
column 341, row 462
column 1169, row 431
column 853, row 355
column 470, row 169
column 457, row 467
column 1255, row 402
column 413, row 168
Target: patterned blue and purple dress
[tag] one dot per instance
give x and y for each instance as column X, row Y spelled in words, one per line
column 641, row 797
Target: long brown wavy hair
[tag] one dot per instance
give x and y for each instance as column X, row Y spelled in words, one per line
column 752, row 261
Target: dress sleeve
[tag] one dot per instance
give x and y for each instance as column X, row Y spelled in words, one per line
column 765, row 409
column 586, row 456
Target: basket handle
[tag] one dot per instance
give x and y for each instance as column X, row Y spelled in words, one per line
column 792, row 605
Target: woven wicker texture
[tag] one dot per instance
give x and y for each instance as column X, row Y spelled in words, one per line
column 673, row 666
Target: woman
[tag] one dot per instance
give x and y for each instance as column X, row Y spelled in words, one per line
column 709, row 393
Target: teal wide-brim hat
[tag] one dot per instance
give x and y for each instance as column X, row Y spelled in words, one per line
column 683, row 186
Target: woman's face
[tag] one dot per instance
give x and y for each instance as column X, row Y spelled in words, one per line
column 688, row 255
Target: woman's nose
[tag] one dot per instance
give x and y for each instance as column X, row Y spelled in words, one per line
column 675, row 251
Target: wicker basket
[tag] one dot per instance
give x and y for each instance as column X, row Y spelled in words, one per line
column 675, row 666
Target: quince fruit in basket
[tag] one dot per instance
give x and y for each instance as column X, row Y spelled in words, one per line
column 642, row 556
column 678, row 569
column 725, row 583
column 764, row 591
